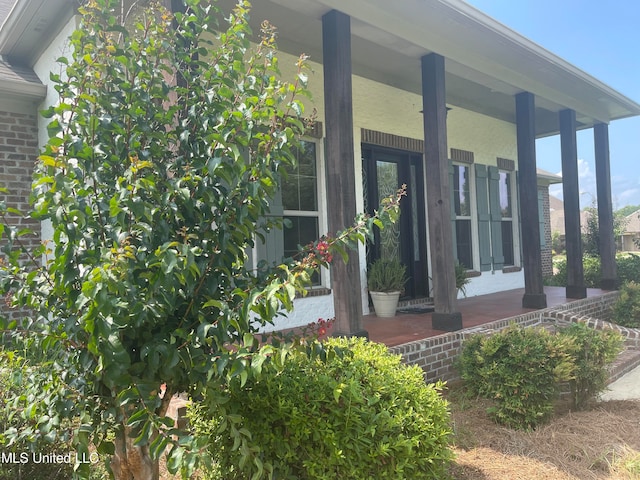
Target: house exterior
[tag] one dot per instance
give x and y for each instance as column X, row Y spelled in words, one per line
column 430, row 93
column 630, row 239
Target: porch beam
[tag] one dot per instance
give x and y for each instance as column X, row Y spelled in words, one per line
column 446, row 315
column 607, row 244
column 571, row 192
column 534, row 296
column 340, row 168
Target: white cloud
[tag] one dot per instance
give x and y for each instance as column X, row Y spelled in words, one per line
column 625, row 190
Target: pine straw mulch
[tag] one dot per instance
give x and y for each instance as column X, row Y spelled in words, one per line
column 585, row 445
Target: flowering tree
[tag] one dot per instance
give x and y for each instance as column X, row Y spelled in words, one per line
column 164, row 149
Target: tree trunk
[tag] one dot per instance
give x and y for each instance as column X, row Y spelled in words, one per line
column 131, row 462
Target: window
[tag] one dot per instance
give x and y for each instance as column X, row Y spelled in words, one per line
column 297, row 203
column 300, row 200
column 462, row 210
column 506, row 211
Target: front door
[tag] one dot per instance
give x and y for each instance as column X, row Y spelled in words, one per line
column 385, row 171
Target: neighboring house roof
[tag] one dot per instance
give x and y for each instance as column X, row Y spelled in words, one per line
column 556, row 215
column 633, row 223
column 547, row 178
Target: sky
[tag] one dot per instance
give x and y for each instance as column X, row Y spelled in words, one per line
column 601, row 38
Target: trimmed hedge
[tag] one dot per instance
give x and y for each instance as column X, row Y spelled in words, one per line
column 353, row 412
column 626, row 310
column 521, row 369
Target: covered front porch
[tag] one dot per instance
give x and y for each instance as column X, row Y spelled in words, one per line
column 411, row 334
column 410, row 325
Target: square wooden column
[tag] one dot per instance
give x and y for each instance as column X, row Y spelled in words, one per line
column 571, row 193
column 605, row 208
column 340, row 168
column 534, row 296
column 446, row 316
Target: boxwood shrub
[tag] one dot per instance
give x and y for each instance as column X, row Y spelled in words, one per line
column 521, row 369
column 353, row 412
column 626, row 310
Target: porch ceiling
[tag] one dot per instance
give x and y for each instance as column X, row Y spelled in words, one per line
column 486, row 62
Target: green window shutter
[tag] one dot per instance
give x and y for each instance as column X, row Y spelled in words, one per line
column 543, row 239
column 454, row 240
column 496, row 218
column 484, row 219
column 272, row 248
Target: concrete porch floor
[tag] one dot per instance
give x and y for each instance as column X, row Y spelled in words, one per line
column 408, row 327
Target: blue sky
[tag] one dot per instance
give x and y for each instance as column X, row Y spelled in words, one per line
column 603, row 39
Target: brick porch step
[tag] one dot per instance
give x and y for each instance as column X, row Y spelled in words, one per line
column 627, row 360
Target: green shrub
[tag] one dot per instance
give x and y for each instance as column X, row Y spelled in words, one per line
column 628, row 266
column 354, row 412
column 592, row 271
column 13, row 416
column 49, row 455
column 520, row 369
column 591, row 351
column 626, row 310
column 386, row 275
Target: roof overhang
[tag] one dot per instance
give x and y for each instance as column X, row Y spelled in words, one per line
column 30, row 26
column 487, row 63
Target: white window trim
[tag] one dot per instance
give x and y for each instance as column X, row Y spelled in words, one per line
column 473, row 215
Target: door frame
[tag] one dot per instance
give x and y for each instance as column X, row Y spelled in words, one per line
column 413, row 231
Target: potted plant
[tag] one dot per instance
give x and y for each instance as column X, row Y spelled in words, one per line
column 461, row 278
column 385, row 279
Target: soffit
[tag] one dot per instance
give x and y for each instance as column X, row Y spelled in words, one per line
column 29, row 27
column 486, row 62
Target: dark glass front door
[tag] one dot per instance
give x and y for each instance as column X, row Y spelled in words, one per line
column 385, row 171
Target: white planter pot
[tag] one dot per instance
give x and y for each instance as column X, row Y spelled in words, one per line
column 385, row 303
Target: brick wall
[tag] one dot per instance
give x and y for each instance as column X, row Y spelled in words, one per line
column 437, row 355
column 546, row 251
column 18, row 154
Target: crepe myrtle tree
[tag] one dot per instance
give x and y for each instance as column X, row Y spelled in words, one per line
column 166, row 144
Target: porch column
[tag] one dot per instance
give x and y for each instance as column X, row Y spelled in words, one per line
column 571, row 193
column 339, row 158
column 605, row 208
column 534, row 296
column 445, row 317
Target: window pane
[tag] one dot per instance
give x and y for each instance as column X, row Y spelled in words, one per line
column 387, row 173
column 507, row 242
column 461, row 190
column 463, row 237
column 299, row 190
column 505, row 194
column 307, row 195
column 303, row 231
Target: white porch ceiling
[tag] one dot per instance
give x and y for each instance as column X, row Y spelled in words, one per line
column 486, row 62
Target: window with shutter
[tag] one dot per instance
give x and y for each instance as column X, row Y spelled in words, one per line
column 461, row 208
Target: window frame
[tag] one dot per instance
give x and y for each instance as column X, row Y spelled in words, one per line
column 474, row 252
